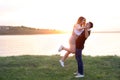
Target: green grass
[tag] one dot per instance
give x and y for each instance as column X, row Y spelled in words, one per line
column 48, row 68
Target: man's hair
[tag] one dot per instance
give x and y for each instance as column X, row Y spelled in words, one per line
column 91, row 24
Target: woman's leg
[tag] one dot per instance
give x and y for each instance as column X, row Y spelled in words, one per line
column 70, row 50
column 65, row 56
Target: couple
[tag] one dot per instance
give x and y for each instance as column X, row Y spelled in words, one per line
column 81, row 31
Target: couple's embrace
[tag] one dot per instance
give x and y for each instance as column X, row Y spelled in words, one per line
column 80, row 33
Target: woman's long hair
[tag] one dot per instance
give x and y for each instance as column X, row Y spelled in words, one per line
column 80, row 21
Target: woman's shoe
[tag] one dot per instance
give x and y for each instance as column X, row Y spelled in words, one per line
column 61, row 63
column 60, row 48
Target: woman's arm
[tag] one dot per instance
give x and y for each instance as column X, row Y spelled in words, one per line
column 78, row 27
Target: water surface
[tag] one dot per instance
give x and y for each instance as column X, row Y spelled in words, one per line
column 98, row 44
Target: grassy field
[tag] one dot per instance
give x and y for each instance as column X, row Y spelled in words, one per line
column 48, row 68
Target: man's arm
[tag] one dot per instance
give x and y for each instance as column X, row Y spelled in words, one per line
column 86, row 33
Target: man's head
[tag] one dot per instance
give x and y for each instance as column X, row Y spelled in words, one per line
column 89, row 25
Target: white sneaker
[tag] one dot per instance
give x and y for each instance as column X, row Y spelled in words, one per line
column 60, row 48
column 61, row 63
column 79, row 75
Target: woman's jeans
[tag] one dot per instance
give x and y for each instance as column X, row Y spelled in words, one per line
column 78, row 56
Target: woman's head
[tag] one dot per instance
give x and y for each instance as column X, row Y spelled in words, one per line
column 81, row 21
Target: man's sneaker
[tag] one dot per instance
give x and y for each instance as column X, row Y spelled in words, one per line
column 75, row 73
column 79, row 75
column 61, row 63
column 60, row 48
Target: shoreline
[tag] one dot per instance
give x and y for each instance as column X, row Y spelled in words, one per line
column 55, row 55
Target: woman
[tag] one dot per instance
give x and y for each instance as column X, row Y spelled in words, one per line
column 77, row 30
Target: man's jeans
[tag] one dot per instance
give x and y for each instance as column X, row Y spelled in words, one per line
column 78, row 56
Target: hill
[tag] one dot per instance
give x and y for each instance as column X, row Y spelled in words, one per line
column 16, row 30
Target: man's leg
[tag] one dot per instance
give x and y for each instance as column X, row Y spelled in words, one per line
column 78, row 56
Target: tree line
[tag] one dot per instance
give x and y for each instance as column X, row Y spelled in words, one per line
column 10, row 30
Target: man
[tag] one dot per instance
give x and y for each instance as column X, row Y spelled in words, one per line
column 79, row 47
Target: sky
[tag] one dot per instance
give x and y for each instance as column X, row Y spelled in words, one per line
column 60, row 14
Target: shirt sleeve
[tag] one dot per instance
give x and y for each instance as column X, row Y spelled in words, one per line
column 77, row 30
